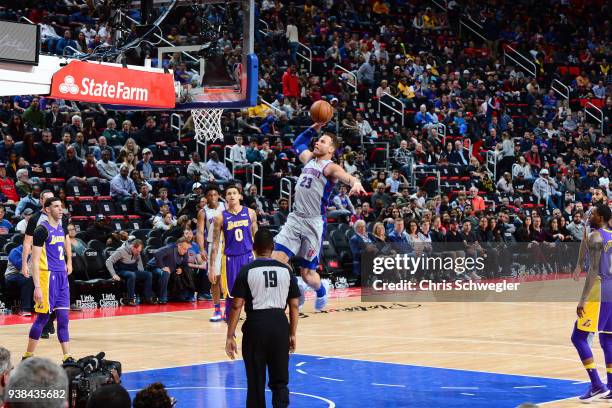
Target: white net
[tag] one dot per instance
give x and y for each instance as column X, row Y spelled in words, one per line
column 207, row 124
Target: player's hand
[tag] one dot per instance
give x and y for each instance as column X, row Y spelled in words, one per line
column 576, row 273
column 38, row 295
column 116, row 278
column 580, row 309
column 69, row 268
column 212, row 276
column 25, row 273
column 357, row 189
column 231, row 349
column 292, row 344
column 166, row 269
column 204, row 256
column 318, row 126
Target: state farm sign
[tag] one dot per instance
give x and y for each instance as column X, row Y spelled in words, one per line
column 97, row 83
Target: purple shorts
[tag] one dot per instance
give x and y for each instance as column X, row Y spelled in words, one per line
column 231, row 268
column 55, row 292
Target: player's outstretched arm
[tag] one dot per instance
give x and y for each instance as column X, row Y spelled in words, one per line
column 595, row 245
column 338, row 173
column 581, row 255
column 302, row 142
column 218, row 224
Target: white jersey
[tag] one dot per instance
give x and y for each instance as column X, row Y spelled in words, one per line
column 313, row 190
column 210, row 219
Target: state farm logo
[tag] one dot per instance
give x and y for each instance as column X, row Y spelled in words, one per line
column 68, row 86
column 117, row 90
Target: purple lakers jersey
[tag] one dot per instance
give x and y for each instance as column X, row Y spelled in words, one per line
column 52, row 257
column 237, row 232
column 605, row 265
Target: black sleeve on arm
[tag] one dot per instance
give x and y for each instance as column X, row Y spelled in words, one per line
column 241, row 285
column 40, row 236
column 32, row 222
column 294, row 290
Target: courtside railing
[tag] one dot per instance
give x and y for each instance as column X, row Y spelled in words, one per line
column 352, row 82
column 596, row 113
column 561, row 89
column 307, row 55
column 285, row 190
column 389, row 106
column 257, row 175
column 519, row 59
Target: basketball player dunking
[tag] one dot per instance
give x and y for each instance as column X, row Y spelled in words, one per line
column 595, row 307
column 303, row 232
column 206, row 218
column 238, row 225
column 50, row 276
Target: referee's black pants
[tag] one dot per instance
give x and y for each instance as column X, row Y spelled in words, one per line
column 265, row 343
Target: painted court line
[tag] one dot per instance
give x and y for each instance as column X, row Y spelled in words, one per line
column 331, row 379
column 530, row 386
column 301, row 371
column 467, row 393
column 389, row 385
column 459, row 388
column 301, row 363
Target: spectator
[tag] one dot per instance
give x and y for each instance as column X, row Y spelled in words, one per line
column 109, row 396
column 31, row 201
column 24, row 183
column 357, row 243
column 126, row 264
column 6, row 147
column 153, row 396
column 122, row 187
column 545, row 189
column 5, row 226
column 172, row 262
column 280, row 217
column 292, row 39
column 5, row 370
column 21, row 225
column 197, row 168
column 290, row 83
column 218, row 169
column 46, row 150
column 40, row 375
column 62, row 147
column 145, row 204
column 71, row 169
column 15, row 278
column 76, row 244
column 33, row 116
column 107, row 168
column 504, row 185
column 238, row 155
column 163, row 199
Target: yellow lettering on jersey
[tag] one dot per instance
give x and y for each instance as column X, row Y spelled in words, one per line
column 236, row 224
column 608, row 246
column 56, row 239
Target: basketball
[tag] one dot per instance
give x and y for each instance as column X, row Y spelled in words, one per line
column 321, row 112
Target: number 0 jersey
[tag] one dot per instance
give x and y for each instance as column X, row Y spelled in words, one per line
column 237, row 234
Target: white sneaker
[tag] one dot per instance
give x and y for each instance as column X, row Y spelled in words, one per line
column 474, row 276
column 321, row 302
column 303, row 288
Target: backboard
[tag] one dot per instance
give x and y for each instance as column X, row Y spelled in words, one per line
column 214, row 65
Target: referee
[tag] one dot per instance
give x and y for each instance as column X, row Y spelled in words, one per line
column 266, row 286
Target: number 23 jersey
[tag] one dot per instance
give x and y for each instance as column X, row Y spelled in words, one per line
column 237, row 234
column 313, row 189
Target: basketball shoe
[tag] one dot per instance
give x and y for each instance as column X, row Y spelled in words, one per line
column 595, row 393
column 321, row 302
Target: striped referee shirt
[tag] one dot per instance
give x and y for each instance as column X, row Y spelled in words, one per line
column 266, row 285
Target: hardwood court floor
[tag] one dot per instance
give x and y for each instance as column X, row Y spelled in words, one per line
column 530, row 339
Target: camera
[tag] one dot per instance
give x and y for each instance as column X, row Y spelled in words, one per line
column 88, row 374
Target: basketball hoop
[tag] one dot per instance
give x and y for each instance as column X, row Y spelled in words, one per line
column 207, row 124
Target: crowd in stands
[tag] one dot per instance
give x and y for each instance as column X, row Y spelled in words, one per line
column 479, row 144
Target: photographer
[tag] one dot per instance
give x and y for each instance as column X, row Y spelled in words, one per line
column 94, row 383
column 110, row 396
column 5, row 370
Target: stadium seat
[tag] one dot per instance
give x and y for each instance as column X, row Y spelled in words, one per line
column 96, row 267
column 105, row 205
